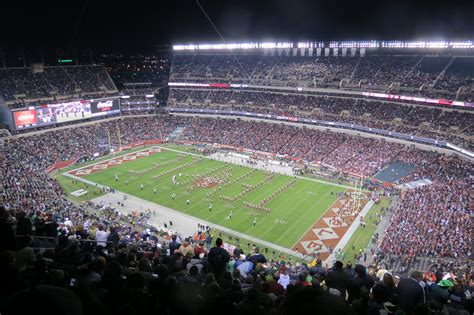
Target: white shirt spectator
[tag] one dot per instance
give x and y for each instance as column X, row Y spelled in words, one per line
column 284, row 280
column 68, row 222
column 101, row 237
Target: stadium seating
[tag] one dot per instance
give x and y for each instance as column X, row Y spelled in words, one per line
column 50, row 246
column 20, row 84
column 136, row 271
column 426, row 75
column 416, row 120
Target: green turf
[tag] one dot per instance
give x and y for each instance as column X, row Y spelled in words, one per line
column 293, row 211
column 362, row 236
column 270, row 253
column 69, row 187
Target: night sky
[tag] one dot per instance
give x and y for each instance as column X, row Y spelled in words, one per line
column 137, row 23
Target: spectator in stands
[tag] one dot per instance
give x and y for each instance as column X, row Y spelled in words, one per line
column 337, row 280
column 173, row 245
column 361, row 280
column 186, row 250
column 23, row 224
column 101, row 236
column 7, row 234
column 258, row 257
column 312, row 301
column 411, row 292
column 113, row 237
column 218, row 258
column 24, row 255
column 284, row 279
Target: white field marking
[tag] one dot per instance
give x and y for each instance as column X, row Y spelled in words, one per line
column 201, row 156
column 107, row 160
column 311, row 227
column 297, row 221
column 230, row 162
column 178, row 214
column 288, row 214
column 348, row 235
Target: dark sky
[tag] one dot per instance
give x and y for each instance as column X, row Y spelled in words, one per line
column 92, row 23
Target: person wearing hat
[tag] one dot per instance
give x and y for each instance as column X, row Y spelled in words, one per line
column 434, row 290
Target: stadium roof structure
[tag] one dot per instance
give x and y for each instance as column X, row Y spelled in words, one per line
column 329, row 44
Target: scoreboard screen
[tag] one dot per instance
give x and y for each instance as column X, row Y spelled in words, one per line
column 48, row 114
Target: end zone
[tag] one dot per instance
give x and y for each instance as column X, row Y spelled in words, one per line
column 103, row 165
column 334, row 228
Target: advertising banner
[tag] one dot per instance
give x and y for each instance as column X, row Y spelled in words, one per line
column 25, row 118
column 105, row 107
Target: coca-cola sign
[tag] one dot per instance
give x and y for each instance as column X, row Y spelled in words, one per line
column 25, row 118
column 104, row 107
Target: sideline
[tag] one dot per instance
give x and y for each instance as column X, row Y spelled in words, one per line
column 184, row 223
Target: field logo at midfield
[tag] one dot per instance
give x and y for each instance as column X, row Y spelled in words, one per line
column 86, row 170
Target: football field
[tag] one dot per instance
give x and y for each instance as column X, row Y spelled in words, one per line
column 233, row 196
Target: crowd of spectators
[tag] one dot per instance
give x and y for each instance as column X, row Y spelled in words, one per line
column 432, row 221
column 140, row 272
column 415, row 120
column 383, row 70
column 396, row 73
column 18, row 84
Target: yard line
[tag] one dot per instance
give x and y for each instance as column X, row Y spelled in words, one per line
column 179, row 215
column 230, row 162
column 289, row 214
column 306, row 212
column 265, row 192
column 311, row 227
